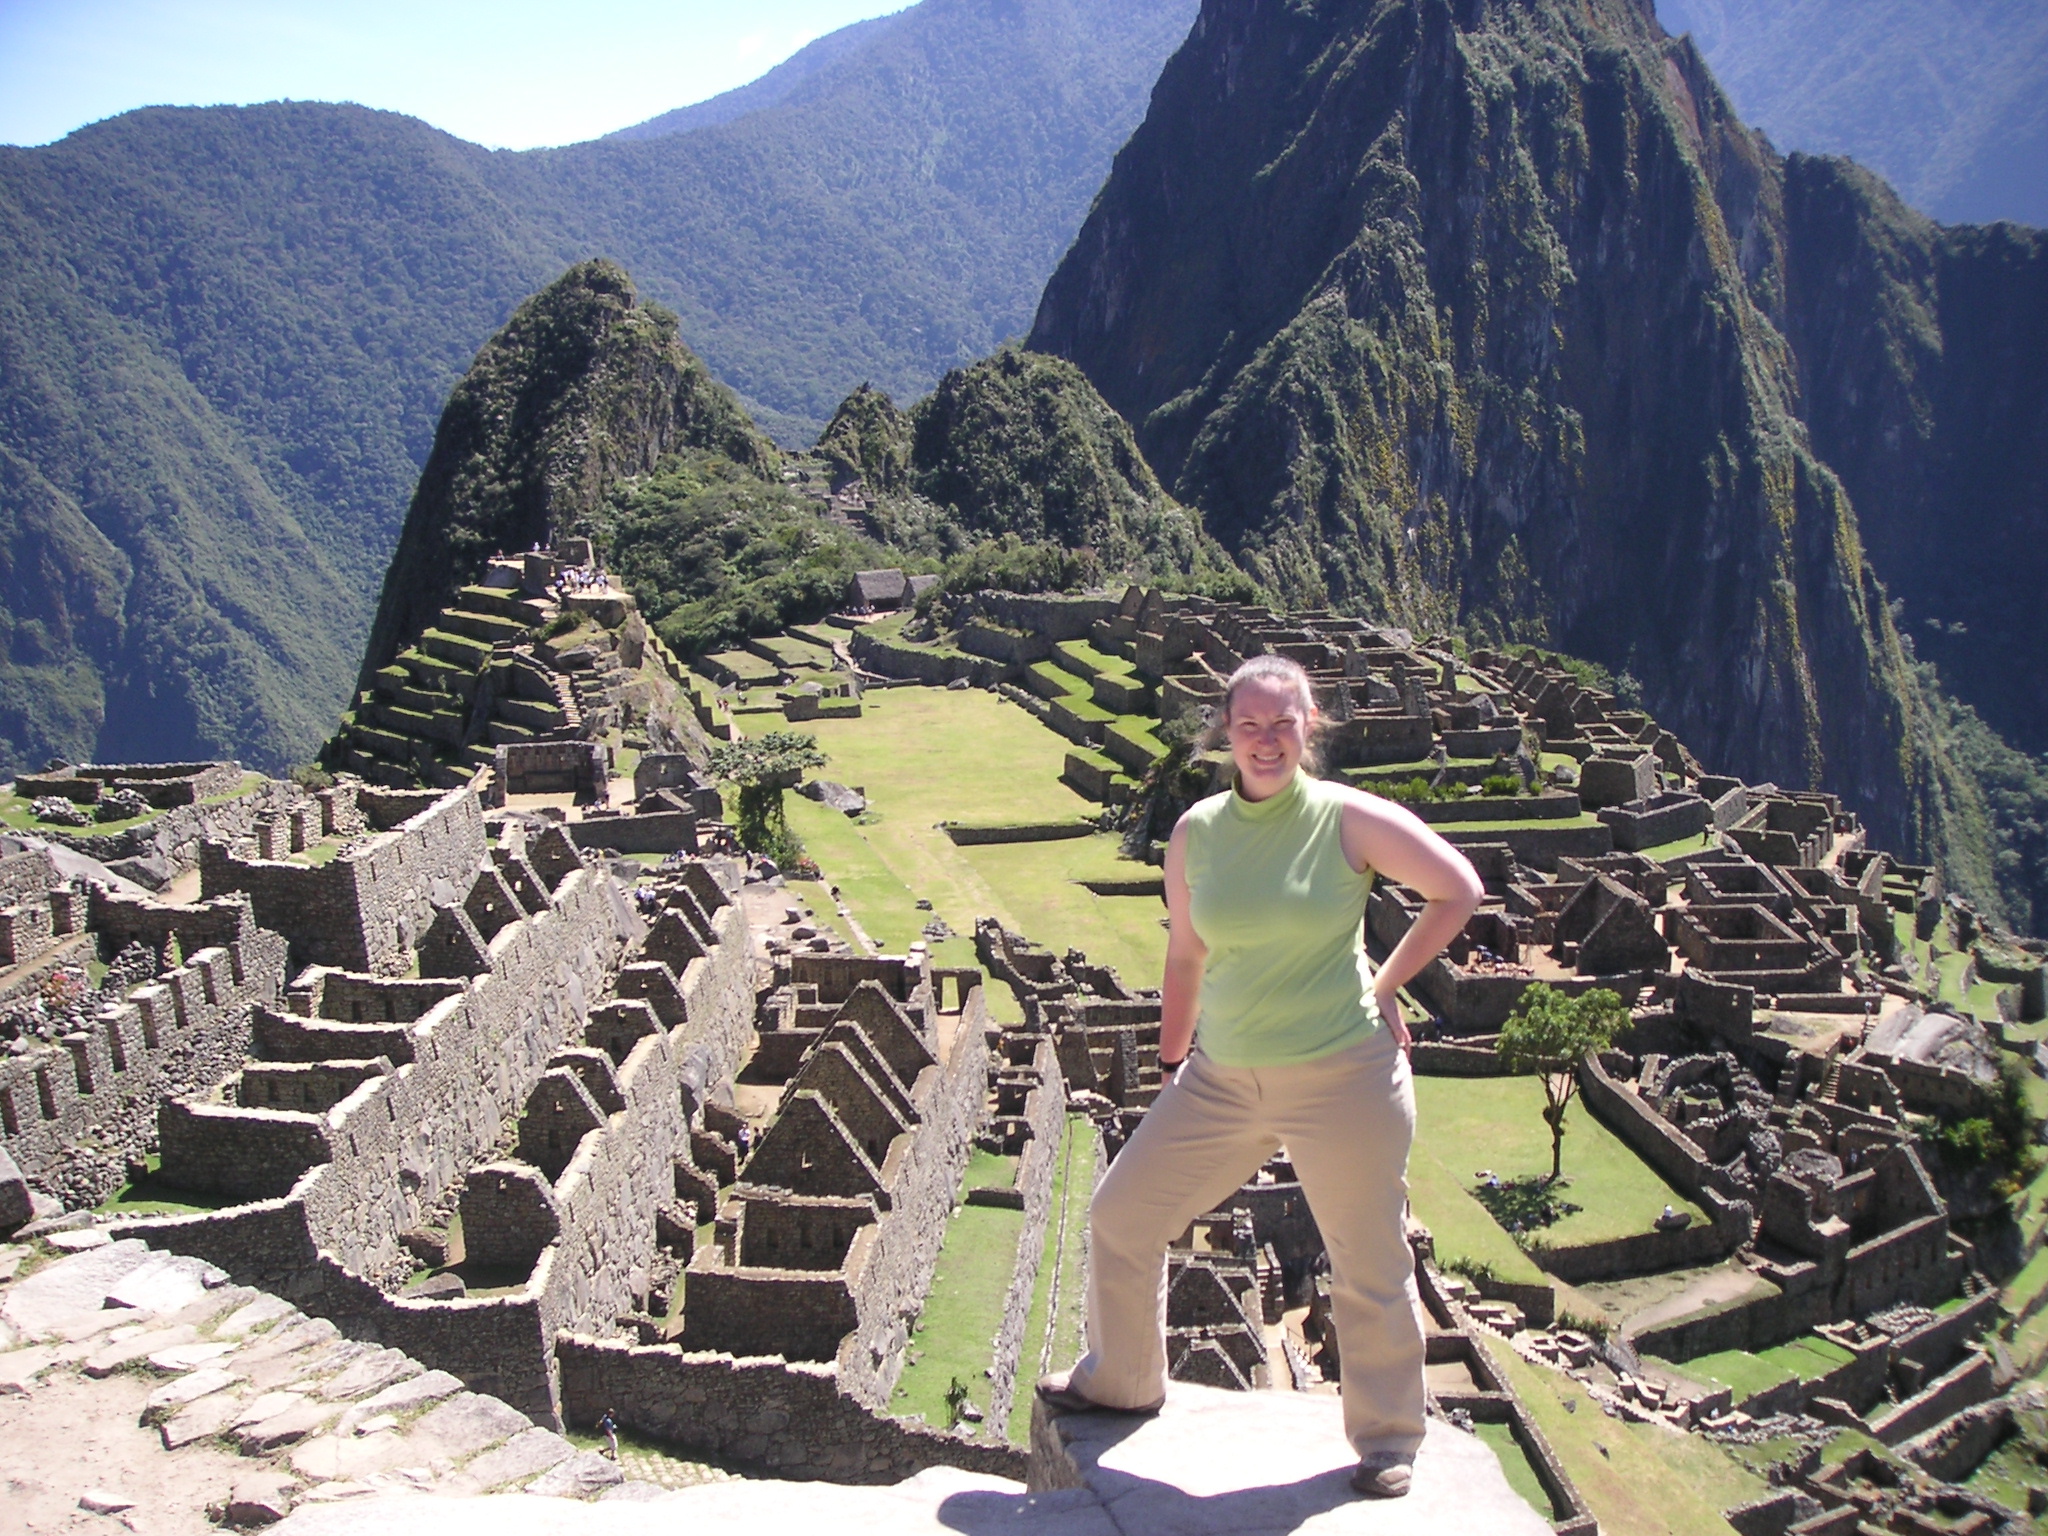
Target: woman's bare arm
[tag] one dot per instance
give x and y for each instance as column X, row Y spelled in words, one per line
column 1185, row 956
column 1394, row 841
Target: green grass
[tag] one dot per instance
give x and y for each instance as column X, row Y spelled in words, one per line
column 1746, row 1374
column 1069, row 684
column 926, row 755
column 1053, row 1335
column 15, row 812
column 1496, row 1123
column 824, row 911
column 1424, row 767
column 1462, row 1229
column 1140, row 732
column 890, row 629
column 792, row 652
column 990, row 1170
column 2028, row 1284
column 148, row 1196
column 1522, row 824
column 744, row 665
column 1638, row 1479
column 1514, row 1461
column 1096, row 661
column 1683, row 846
column 950, row 1340
column 1042, row 900
column 2010, row 1470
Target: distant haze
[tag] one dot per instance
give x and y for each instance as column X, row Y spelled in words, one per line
column 1946, row 99
column 510, row 74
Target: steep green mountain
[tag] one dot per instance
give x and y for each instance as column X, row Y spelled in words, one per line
column 583, row 389
column 587, row 415
column 1942, row 98
column 1020, row 445
column 1482, row 316
column 226, row 334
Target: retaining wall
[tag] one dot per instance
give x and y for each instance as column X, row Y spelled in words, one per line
column 1045, row 1112
column 788, row 1420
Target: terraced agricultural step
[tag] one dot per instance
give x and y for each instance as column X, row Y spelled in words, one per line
column 503, row 733
column 444, row 727
column 432, row 672
column 1122, row 694
column 379, row 742
column 537, row 717
column 525, row 611
column 462, row 650
column 391, row 679
column 426, row 700
column 487, row 627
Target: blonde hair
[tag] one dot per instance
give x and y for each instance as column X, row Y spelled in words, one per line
column 1287, row 672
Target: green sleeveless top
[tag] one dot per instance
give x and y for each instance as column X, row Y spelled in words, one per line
column 1282, row 913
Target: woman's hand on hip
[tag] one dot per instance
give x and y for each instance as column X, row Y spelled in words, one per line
column 1389, row 1004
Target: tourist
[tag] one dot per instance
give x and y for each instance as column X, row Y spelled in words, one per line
column 608, row 1426
column 1276, row 1030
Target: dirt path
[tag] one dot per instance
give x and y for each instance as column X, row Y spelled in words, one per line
column 71, row 1434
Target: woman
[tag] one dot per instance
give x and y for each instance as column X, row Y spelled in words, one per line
column 1274, row 1030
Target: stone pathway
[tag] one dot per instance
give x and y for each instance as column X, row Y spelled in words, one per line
column 138, row 1389
column 194, row 1395
column 1228, row 1463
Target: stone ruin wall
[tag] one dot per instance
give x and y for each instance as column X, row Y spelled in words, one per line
column 624, row 1172
column 366, row 909
column 404, row 1137
column 400, row 1143
column 788, row 1419
column 173, row 840
column 905, row 1250
column 476, row 1055
column 74, row 1118
column 1045, row 1121
column 404, row 1141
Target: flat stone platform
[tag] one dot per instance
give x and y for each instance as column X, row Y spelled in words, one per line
column 1231, row 1463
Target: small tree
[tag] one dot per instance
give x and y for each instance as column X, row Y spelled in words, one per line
column 761, row 768
column 1549, row 1034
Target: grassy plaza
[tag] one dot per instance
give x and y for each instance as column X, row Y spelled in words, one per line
column 923, row 756
column 1465, row 1125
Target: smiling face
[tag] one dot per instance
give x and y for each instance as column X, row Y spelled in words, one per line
column 1269, row 726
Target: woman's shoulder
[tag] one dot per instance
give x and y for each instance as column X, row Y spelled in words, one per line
column 1203, row 813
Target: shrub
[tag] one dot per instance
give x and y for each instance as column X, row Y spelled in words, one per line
column 1500, row 784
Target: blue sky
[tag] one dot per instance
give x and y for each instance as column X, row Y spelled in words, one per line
column 509, row 73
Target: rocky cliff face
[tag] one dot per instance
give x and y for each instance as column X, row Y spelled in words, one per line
column 585, row 386
column 1484, row 314
column 1920, row 357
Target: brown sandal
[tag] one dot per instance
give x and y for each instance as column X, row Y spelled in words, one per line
column 1383, row 1480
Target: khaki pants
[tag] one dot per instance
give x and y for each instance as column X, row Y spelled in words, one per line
column 1347, row 1121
